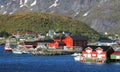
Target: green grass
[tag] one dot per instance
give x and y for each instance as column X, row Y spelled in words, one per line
column 42, row 22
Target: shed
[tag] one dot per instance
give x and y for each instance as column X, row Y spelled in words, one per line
column 115, row 55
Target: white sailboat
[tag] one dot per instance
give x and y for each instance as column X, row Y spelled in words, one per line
column 7, row 46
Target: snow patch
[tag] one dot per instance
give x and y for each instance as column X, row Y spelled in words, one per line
column 21, row 6
column 52, row 12
column 31, row 9
column 21, row 2
column 34, row 3
column 55, row 4
column 85, row 14
column 102, row 3
column 11, row 12
column 25, row 1
column 76, row 13
column 9, row 3
column 5, row 12
column 2, row 6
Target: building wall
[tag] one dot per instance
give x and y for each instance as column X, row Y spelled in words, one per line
column 94, row 56
column 56, row 45
column 68, row 41
column 53, row 45
column 80, row 43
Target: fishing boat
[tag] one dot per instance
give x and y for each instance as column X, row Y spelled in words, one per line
column 7, row 46
column 20, row 49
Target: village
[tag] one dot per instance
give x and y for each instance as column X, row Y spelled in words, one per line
column 105, row 50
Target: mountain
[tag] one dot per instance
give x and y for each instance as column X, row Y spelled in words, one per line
column 42, row 22
column 101, row 15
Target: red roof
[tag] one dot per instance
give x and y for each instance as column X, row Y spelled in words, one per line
column 88, row 48
column 30, row 33
column 94, row 52
column 17, row 33
column 116, row 53
column 99, row 48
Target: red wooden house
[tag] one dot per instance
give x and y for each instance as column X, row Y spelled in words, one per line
column 69, row 42
column 96, row 53
column 57, row 45
column 73, row 41
column 17, row 34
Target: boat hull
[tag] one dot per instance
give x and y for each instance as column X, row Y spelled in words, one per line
column 8, row 50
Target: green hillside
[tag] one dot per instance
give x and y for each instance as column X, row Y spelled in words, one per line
column 41, row 22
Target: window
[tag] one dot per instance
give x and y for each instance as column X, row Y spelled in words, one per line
column 99, row 56
column 99, row 51
column 88, row 51
column 89, row 55
column 117, row 57
column 84, row 55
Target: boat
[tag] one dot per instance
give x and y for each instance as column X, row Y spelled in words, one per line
column 7, row 46
column 78, row 57
column 75, row 54
column 17, row 51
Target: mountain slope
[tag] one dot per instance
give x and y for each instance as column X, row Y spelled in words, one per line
column 104, row 18
column 101, row 15
column 41, row 22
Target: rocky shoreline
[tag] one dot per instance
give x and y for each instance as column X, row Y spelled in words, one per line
column 49, row 52
column 44, row 52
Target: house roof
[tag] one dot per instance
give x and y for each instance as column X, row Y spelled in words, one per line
column 58, row 43
column 104, row 39
column 45, row 41
column 60, row 37
column 79, row 37
column 61, row 43
column 99, row 48
column 17, row 33
column 66, row 32
column 30, row 33
column 105, row 48
column 116, row 53
column 88, row 48
column 30, row 42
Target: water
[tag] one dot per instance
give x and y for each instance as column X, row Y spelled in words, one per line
column 27, row 63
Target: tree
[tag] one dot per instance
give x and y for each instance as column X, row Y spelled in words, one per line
column 4, row 34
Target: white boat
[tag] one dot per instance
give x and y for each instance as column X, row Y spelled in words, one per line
column 75, row 54
column 7, row 47
column 25, row 52
column 78, row 57
column 16, row 51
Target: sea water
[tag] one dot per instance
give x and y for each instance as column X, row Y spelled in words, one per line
column 10, row 62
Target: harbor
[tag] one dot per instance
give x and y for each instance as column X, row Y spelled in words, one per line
column 10, row 62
